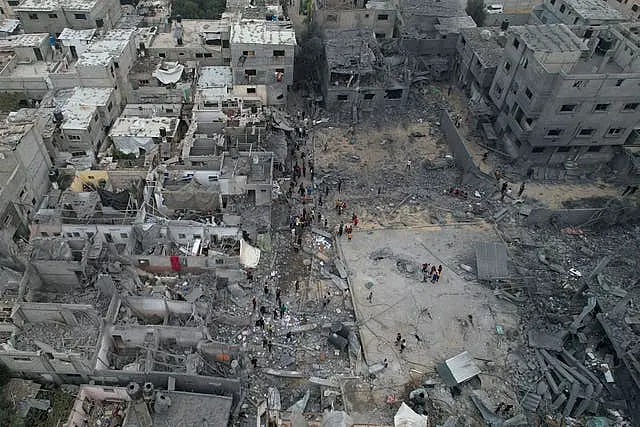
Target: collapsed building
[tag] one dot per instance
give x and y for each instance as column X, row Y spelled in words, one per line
column 356, row 77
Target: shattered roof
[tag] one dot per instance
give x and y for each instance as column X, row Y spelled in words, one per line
column 71, row 34
column 454, row 24
column 51, row 5
column 349, row 50
column 215, row 77
column 56, row 249
column 143, row 127
column 22, row 40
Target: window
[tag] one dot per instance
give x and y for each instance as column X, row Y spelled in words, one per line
column 601, row 107
column 13, row 3
column 44, row 234
column 181, row 236
column 343, row 97
column 198, row 55
column 251, row 90
column 381, row 35
column 615, row 131
column 248, row 53
column 562, row 8
column 162, row 55
column 516, row 43
column 225, row 44
column 124, row 236
column 619, row 82
column 108, row 238
column 554, row 132
column 280, row 70
column 53, row 15
column 369, row 96
column 168, row 110
column 74, row 137
column 250, row 72
column 594, row 149
column 586, row 132
column 197, row 236
column 212, row 178
column 33, row 16
column 383, row 17
column 76, row 234
column 579, row 83
column 507, row 66
column 143, row 82
column 81, row 16
column 537, row 150
column 208, row 55
column 115, row 64
column 278, row 53
column 528, row 93
column 632, row 106
column 564, row 149
column 567, row 108
column 91, row 177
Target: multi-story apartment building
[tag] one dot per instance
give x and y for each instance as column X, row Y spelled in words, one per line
column 576, row 12
column 378, row 16
column 567, row 98
column 262, row 54
column 53, row 16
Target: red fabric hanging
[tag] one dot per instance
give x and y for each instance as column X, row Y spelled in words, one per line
column 175, row 263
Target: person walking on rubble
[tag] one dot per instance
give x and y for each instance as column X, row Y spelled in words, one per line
column 403, row 345
column 339, row 186
column 270, row 346
column 398, row 338
column 370, row 297
column 254, row 302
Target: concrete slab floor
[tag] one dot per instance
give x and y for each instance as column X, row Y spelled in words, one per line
column 437, row 313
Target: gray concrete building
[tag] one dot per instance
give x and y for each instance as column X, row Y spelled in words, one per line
column 480, row 50
column 576, row 12
column 24, row 179
column 53, row 16
column 377, row 16
column 25, row 61
column 354, row 76
column 567, row 99
column 205, row 41
column 262, row 54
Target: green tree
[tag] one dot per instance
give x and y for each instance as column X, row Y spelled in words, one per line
column 199, row 9
column 476, row 10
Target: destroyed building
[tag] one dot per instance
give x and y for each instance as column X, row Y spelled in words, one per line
column 53, row 16
column 563, row 99
column 150, row 137
column 153, row 80
column 355, row 76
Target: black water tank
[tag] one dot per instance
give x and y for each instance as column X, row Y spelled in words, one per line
column 53, row 175
column 58, row 117
column 178, row 18
column 163, row 132
column 505, row 25
column 99, row 23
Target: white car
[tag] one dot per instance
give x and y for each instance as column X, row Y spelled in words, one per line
column 494, row 9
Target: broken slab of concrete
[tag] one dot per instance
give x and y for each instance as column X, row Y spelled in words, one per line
column 284, row 374
column 540, row 339
column 325, row 382
column 342, row 270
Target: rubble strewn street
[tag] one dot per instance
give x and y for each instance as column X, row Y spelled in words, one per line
column 327, row 214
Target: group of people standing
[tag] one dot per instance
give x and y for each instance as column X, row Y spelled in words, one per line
column 432, row 273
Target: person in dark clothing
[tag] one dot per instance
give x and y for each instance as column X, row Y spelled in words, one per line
column 398, row 338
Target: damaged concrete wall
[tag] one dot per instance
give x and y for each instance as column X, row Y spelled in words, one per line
column 44, row 312
column 190, row 264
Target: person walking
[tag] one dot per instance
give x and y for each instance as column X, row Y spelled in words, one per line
column 270, row 346
column 521, row 190
column 370, row 297
column 408, row 165
column 398, row 338
column 339, row 186
column 403, row 345
column 254, row 301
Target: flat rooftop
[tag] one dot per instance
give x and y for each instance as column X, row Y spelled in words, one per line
column 22, row 40
column 91, row 59
column 71, row 34
column 550, row 38
column 98, row 96
column 484, row 43
column 189, row 409
column 143, row 127
column 348, row 50
column 211, row 77
column 594, row 9
column 77, row 116
column 192, row 29
column 11, row 134
column 263, row 32
column 9, row 25
column 454, row 24
column 51, row 5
